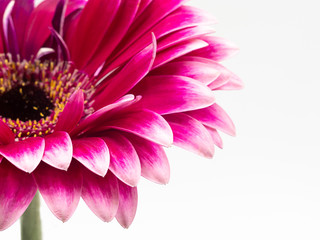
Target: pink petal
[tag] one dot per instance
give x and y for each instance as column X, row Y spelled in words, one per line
column 190, row 134
column 124, row 161
column 183, row 35
column 215, row 117
column 153, row 159
column 93, row 153
column 9, row 32
column 6, row 135
column 59, row 15
column 100, row 116
column 43, row 52
column 60, row 190
column 75, row 5
column 17, row 190
column 20, row 14
column 58, row 150
column 171, row 94
column 143, row 123
column 183, row 18
column 101, row 194
column 199, row 71
column 219, row 49
column 1, row 43
column 215, row 137
column 234, row 83
column 73, row 11
column 3, row 6
column 37, row 28
column 26, row 154
column 115, row 34
column 152, row 15
column 129, row 76
column 178, row 50
column 128, row 202
column 72, row 112
column 143, row 5
column 62, row 49
column 85, row 34
column 226, row 80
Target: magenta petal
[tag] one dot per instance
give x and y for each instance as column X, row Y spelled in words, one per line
column 171, row 94
column 101, row 194
column 115, row 34
column 153, row 159
column 59, row 15
column 17, row 190
column 26, row 154
column 128, row 202
column 72, row 112
column 93, row 153
column 143, row 5
column 62, row 50
column 178, row 50
column 234, row 83
column 190, row 134
column 9, row 32
column 219, row 49
column 43, row 52
column 20, row 15
column 71, row 19
column 3, row 6
column 58, row 150
column 144, row 123
column 156, row 11
column 6, row 135
column 199, row 71
column 215, row 117
column 100, row 116
column 215, row 137
column 85, row 34
column 60, row 190
column 184, row 17
column 37, row 28
column 129, row 76
column 1, row 42
column 227, row 80
column 183, row 35
column 124, row 161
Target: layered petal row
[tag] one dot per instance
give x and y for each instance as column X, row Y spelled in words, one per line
column 102, row 87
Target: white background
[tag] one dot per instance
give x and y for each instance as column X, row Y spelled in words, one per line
column 265, row 184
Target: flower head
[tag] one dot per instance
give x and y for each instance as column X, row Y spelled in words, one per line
column 91, row 92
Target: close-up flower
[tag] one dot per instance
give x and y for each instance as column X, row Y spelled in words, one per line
column 92, row 92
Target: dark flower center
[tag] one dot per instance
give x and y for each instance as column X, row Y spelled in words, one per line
column 25, row 103
column 33, row 94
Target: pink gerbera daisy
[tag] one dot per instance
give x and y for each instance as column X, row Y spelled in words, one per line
column 91, row 92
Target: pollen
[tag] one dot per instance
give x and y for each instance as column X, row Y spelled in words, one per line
column 33, row 94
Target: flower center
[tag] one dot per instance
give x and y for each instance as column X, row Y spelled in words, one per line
column 25, row 103
column 33, row 94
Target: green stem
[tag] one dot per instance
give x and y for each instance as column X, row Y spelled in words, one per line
column 30, row 221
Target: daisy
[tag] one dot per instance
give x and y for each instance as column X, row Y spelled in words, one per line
column 91, row 92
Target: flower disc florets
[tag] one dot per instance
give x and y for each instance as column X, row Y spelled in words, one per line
column 92, row 91
column 34, row 93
